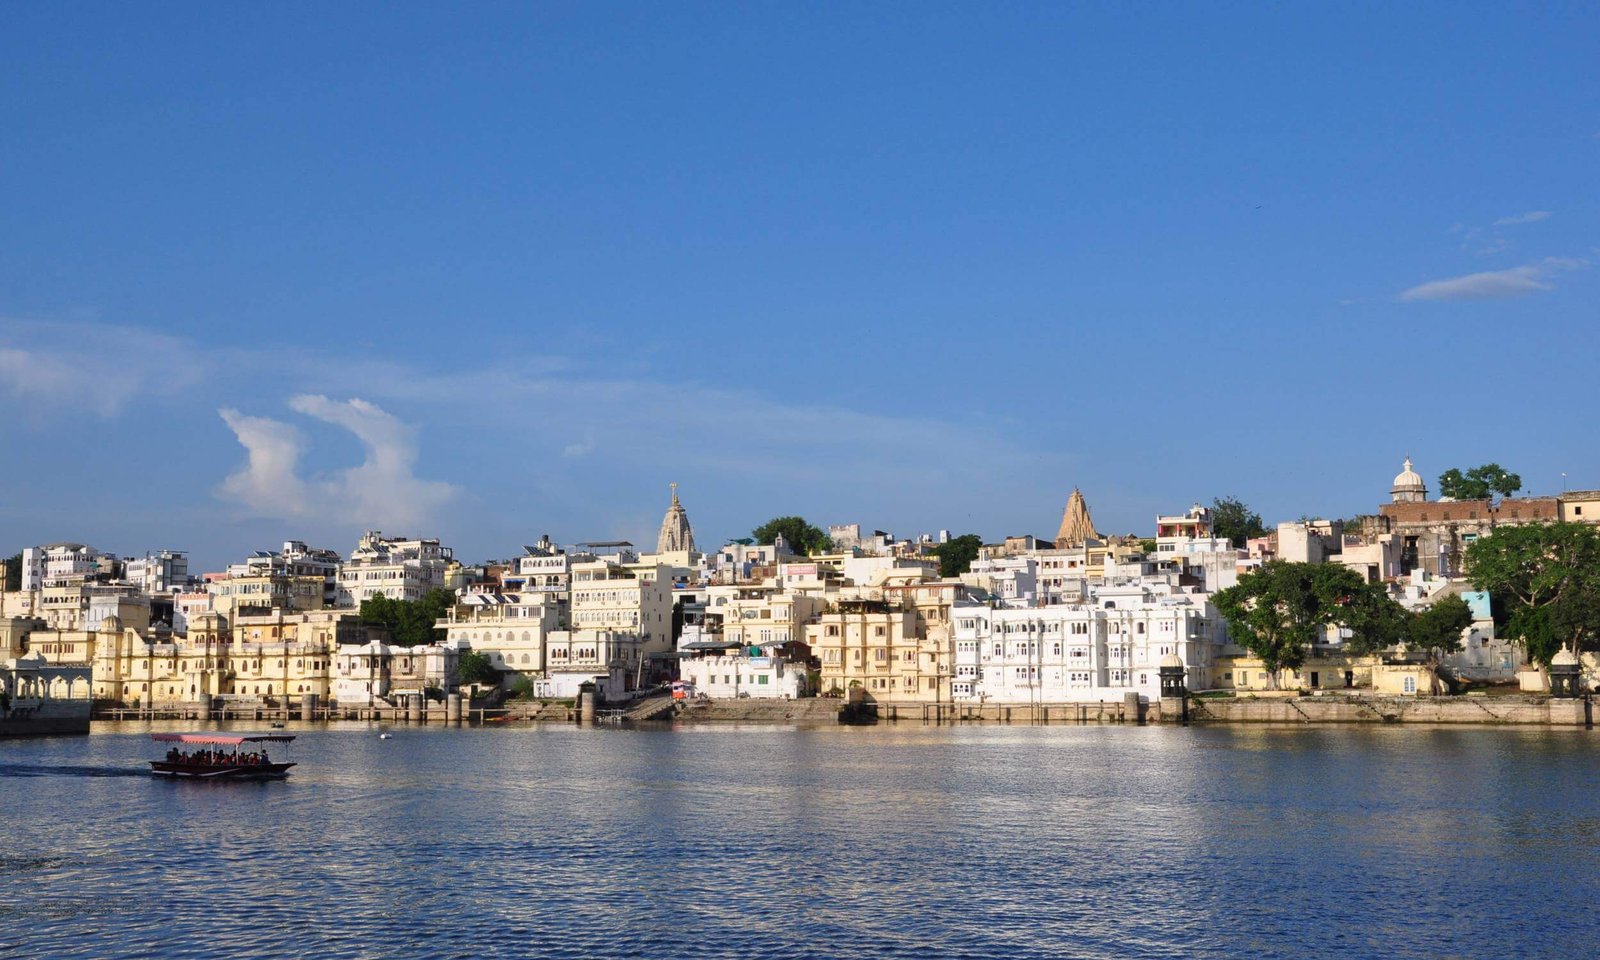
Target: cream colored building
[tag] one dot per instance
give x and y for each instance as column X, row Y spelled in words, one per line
column 872, row 644
column 257, row 594
column 614, row 597
column 284, row 654
column 1322, row 670
column 509, row 628
column 762, row 616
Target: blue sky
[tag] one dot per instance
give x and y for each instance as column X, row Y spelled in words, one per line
column 493, row 271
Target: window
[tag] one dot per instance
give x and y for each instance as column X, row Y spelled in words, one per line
column 1411, row 684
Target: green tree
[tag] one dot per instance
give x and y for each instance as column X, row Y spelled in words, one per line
column 411, row 623
column 475, row 667
column 1233, row 521
column 802, row 537
column 1376, row 621
column 1479, row 483
column 1282, row 608
column 522, row 687
column 956, row 554
column 1148, row 546
column 1545, row 579
column 1439, row 626
column 14, row 572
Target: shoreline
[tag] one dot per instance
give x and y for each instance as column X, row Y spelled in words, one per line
column 1325, row 710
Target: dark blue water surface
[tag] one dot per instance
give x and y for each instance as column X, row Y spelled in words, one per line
column 909, row 841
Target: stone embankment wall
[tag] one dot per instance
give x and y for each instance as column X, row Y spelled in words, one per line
column 1542, row 711
column 807, row 710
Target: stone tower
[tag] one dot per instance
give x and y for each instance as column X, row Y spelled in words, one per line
column 676, row 535
column 1076, row 524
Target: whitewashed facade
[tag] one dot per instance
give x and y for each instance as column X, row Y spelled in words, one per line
column 731, row 677
column 1084, row 653
column 397, row 568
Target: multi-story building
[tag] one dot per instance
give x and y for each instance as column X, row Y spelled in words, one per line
column 543, row 567
column 61, row 563
column 280, row 655
column 397, row 568
column 509, row 628
column 295, row 559
column 872, row 644
column 616, row 661
column 762, row 616
column 164, row 572
column 365, row 673
column 611, row 596
column 1084, row 653
column 1014, row 581
column 932, row 603
column 259, row 594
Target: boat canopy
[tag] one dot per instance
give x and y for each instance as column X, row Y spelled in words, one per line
column 221, row 739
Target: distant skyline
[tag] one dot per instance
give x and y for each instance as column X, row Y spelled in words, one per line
column 492, row 272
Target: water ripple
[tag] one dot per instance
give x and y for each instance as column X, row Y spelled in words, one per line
column 912, row 842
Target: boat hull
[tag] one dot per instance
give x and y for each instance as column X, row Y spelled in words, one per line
column 200, row 771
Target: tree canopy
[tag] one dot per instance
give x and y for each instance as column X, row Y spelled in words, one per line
column 1479, row 483
column 1376, row 621
column 1439, row 626
column 1233, row 521
column 956, row 554
column 13, row 579
column 802, row 537
column 410, row 622
column 1545, row 579
column 475, row 667
column 1282, row 608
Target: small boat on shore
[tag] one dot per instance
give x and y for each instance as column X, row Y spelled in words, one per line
column 210, row 760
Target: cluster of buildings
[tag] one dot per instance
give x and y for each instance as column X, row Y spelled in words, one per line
column 1078, row 618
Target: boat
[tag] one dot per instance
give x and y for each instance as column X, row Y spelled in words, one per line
column 210, row 762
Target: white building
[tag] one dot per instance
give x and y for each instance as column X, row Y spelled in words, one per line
column 736, row 676
column 614, row 660
column 1012, row 580
column 509, row 628
column 543, row 567
column 368, row 672
column 1085, row 653
column 163, row 572
column 396, row 568
column 57, row 563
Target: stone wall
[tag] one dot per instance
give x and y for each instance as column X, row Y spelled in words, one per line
column 1467, row 710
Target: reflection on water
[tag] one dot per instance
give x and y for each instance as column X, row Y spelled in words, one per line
column 813, row 842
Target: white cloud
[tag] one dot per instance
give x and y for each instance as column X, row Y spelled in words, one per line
column 73, row 368
column 1495, row 284
column 268, row 482
column 383, row 491
column 1532, row 216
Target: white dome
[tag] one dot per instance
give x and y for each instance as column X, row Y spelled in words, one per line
column 1171, row 660
column 1409, row 485
column 1564, row 658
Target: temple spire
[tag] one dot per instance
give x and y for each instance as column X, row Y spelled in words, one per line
column 1076, row 524
column 676, row 534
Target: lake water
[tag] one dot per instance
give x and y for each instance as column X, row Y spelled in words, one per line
column 909, row 841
